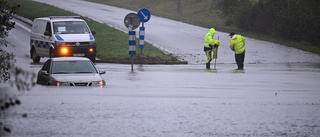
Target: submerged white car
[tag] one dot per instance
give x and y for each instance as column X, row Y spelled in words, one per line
column 70, row 71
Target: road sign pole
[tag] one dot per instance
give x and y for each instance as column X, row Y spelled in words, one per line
column 132, row 21
column 131, row 63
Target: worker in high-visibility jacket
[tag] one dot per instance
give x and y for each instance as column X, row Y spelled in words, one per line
column 237, row 43
column 209, row 43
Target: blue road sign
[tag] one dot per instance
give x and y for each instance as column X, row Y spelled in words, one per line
column 144, row 15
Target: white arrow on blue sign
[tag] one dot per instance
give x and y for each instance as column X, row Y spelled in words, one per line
column 144, row 15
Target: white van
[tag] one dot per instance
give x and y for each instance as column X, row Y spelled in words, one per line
column 61, row 36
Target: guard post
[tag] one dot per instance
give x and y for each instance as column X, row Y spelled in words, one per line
column 141, row 37
column 132, row 46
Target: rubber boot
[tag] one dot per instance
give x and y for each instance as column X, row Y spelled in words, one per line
column 208, row 65
column 240, row 66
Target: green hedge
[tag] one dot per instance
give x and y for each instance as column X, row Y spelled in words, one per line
column 294, row 20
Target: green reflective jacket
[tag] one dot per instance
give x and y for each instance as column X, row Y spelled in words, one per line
column 237, row 44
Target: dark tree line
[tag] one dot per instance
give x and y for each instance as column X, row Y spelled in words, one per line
column 297, row 20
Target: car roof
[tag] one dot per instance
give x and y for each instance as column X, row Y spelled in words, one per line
column 70, row 59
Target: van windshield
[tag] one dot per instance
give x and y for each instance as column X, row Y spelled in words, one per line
column 70, row 27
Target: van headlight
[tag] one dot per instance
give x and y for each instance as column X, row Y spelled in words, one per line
column 59, row 43
column 92, row 43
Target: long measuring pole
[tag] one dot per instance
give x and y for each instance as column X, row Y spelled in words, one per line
column 216, row 56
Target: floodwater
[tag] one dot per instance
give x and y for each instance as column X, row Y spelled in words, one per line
column 177, row 100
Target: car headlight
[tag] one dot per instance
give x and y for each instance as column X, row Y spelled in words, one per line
column 99, row 83
column 62, row 83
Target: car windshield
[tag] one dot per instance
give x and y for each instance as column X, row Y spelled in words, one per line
column 67, row 67
column 70, row 27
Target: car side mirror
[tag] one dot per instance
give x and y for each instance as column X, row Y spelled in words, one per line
column 93, row 32
column 102, row 72
column 43, row 72
column 46, row 33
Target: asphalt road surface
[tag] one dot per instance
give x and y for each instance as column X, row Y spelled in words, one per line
column 266, row 99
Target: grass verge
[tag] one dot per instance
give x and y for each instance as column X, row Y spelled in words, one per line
column 112, row 44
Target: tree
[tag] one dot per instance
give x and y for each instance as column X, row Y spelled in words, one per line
column 6, row 12
column 15, row 76
column 289, row 19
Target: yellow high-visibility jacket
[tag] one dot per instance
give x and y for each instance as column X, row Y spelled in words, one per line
column 208, row 40
column 237, row 43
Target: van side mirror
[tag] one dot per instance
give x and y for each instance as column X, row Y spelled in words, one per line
column 93, row 32
column 46, row 33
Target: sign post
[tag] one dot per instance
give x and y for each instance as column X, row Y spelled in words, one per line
column 144, row 15
column 132, row 21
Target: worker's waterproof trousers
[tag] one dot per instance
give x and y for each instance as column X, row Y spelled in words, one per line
column 240, row 60
column 208, row 55
column 208, row 51
column 209, row 58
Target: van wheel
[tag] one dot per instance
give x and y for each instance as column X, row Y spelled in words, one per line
column 35, row 58
column 51, row 53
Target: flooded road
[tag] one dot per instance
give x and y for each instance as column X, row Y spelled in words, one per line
column 177, row 100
